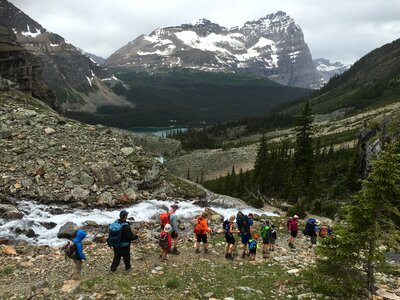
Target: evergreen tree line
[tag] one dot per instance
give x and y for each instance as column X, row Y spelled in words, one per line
column 309, row 176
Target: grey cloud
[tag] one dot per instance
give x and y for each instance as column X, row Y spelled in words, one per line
column 339, row 30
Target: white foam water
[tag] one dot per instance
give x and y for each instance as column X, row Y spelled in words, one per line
column 35, row 214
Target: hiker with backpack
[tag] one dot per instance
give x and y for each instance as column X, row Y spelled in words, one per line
column 273, row 238
column 76, row 253
column 311, row 230
column 245, row 226
column 170, row 218
column 324, row 231
column 201, row 229
column 165, row 241
column 229, row 229
column 120, row 236
column 253, row 245
column 266, row 234
column 293, row 228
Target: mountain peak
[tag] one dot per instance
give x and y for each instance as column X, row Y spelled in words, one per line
column 202, row 21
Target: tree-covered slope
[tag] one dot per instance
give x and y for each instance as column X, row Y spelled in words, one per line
column 194, row 98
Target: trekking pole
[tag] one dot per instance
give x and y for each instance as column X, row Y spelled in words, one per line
column 142, row 251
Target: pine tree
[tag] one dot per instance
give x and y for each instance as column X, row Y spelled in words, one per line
column 260, row 165
column 304, row 152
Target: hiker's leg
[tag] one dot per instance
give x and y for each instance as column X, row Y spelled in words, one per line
column 174, row 236
column 126, row 255
column 116, row 259
column 205, row 244
column 77, row 270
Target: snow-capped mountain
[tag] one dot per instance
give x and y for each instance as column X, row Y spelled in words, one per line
column 79, row 82
column 328, row 69
column 272, row 46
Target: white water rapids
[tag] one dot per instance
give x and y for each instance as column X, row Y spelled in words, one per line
column 35, row 214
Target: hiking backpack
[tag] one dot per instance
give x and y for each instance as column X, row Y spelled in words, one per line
column 242, row 222
column 164, row 219
column 265, row 231
column 323, row 232
column 69, row 250
column 115, row 234
column 163, row 242
column 310, row 227
column 252, row 244
column 226, row 225
column 198, row 229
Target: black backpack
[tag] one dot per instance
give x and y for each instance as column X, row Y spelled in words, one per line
column 310, row 227
column 226, row 226
column 242, row 222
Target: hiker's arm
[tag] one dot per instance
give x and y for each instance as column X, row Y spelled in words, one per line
column 231, row 229
column 128, row 234
column 79, row 251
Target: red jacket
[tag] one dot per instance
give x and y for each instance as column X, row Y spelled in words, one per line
column 169, row 238
column 293, row 225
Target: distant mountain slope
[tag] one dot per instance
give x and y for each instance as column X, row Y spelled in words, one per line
column 77, row 80
column 373, row 81
column 272, row 46
column 193, row 97
column 328, row 69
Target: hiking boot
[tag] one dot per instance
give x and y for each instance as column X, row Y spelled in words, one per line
column 230, row 256
column 206, row 251
column 175, row 251
column 243, row 255
column 128, row 270
column 112, row 272
column 226, row 255
column 197, row 251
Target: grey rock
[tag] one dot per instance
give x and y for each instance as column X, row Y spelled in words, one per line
column 105, row 198
column 79, row 193
column 5, row 134
column 67, row 231
column 30, row 233
column 126, row 151
column 105, row 173
column 10, row 212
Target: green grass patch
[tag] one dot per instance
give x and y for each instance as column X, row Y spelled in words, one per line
column 5, row 271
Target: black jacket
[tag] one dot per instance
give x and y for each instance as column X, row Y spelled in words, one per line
column 127, row 235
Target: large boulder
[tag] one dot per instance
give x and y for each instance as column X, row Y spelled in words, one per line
column 10, row 212
column 67, row 231
column 105, row 173
column 227, row 202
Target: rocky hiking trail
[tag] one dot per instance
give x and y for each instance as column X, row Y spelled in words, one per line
column 39, row 272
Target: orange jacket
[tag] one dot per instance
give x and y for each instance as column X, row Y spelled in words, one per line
column 203, row 225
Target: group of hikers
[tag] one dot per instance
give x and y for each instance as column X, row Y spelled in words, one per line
column 120, row 236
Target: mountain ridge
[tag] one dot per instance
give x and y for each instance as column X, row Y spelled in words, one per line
column 272, row 46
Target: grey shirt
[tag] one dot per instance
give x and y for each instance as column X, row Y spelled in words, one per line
column 174, row 222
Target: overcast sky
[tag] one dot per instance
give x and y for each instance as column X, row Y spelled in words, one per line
column 342, row 30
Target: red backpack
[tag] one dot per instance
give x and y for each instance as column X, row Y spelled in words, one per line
column 198, row 229
column 164, row 219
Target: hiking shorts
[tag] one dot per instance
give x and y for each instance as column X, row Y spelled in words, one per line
column 229, row 238
column 293, row 233
column 201, row 237
column 253, row 251
column 245, row 238
column 174, row 234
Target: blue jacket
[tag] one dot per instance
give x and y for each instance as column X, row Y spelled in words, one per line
column 80, row 235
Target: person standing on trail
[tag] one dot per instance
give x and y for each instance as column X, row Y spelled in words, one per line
column 79, row 255
column 266, row 234
column 229, row 230
column 174, row 233
column 293, row 228
column 165, row 242
column 201, row 229
column 247, row 233
column 120, row 236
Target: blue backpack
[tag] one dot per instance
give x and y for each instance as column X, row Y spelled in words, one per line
column 114, row 235
column 252, row 244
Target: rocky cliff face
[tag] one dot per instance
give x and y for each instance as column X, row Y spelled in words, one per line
column 49, row 158
column 79, row 83
column 272, row 46
column 329, row 69
column 23, row 68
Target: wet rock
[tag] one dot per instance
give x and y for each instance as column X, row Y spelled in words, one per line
column 201, row 203
column 100, row 238
column 10, row 212
column 48, row 225
column 67, row 231
column 30, row 233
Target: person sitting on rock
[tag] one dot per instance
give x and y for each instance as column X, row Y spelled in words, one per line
column 229, row 230
column 201, row 229
column 79, row 255
column 165, row 242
